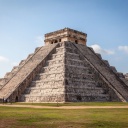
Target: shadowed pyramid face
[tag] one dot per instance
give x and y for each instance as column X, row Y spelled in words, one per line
column 65, row 34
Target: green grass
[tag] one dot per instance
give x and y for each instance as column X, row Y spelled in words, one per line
column 77, row 104
column 60, row 118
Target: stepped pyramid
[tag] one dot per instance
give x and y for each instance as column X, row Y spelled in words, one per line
column 64, row 70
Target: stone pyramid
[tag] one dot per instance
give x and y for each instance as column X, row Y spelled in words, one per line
column 64, row 70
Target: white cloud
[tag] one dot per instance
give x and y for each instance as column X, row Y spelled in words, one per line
column 123, row 48
column 100, row 50
column 40, row 40
column 3, row 59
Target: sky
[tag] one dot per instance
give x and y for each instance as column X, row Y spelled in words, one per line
column 23, row 24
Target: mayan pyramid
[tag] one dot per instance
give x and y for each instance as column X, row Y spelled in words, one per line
column 64, row 70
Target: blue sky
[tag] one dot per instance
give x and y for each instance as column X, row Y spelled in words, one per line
column 23, row 24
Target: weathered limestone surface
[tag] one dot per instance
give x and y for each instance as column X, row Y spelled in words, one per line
column 83, row 82
column 48, row 85
column 64, row 72
column 2, row 82
column 67, row 77
column 107, row 73
column 25, row 73
column 106, row 62
column 125, row 78
column 65, row 34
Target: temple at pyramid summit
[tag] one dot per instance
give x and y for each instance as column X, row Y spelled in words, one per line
column 64, row 70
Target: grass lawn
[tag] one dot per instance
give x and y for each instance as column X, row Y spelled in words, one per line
column 76, row 104
column 60, row 118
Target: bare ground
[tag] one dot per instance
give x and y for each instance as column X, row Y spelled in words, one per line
column 62, row 107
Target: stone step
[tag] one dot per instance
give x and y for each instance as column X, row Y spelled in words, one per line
column 56, row 56
column 55, row 61
column 45, row 86
column 71, row 69
column 125, row 81
column 47, row 98
column 36, row 49
column 72, row 56
column 22, row 63
column 86, row 90
column 61, row 56
column 58, row 83
column 15, row 69
column 43, row 76
column 69, row 89
column 3, row 81
column 106, row 62
column 43, row 91
column 58, row 77
column 52, row 72
column 62, row 92
column 74, row 62
column 81, row 82
column 9, row 75
column 29, row 56
column 82, row 73
column 56, row 98
column 67, row 54
column 61, row 86
column 68, row 82
column 87, row 98
column 82, row 76
column 60, row 66
column 49, row 83
column 56, row 69
column 62, row 48
column 82, row 94
column 67, row 61
column 52, row 64
column 66, row 49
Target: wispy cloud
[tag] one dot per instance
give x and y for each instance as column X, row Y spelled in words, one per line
column 123, row 48
column 3, row 59
column 100, row 50
column 39, row 40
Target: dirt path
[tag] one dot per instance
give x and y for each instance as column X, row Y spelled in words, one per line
column 61, row 107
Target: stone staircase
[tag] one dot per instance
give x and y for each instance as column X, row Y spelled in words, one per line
column 8, row 76
column 65, row 78
column 14, row 83
column 48, row 85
